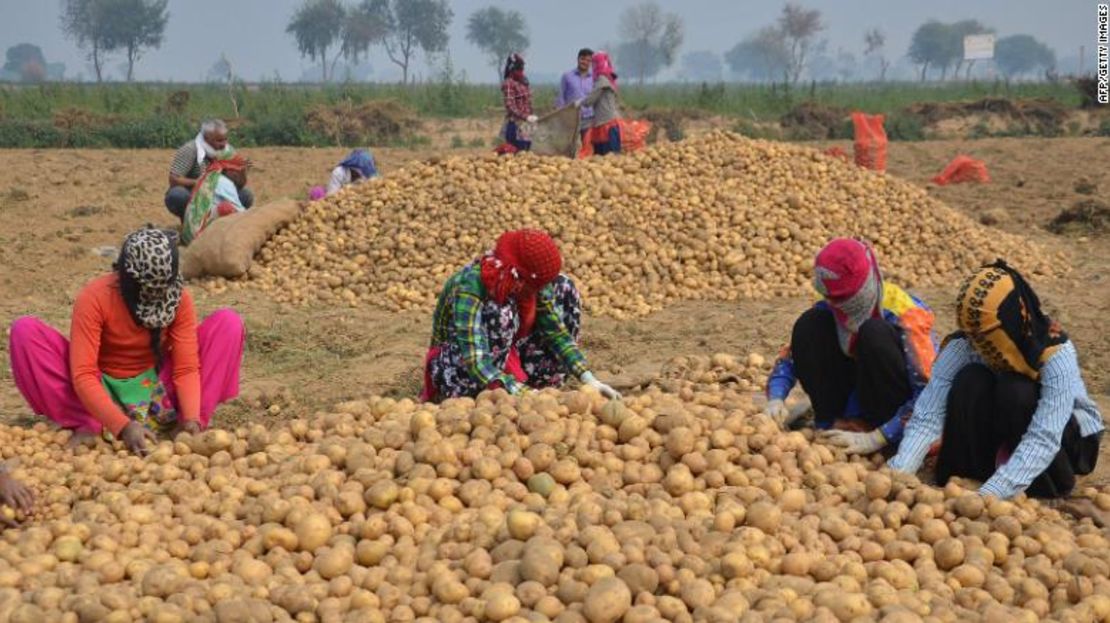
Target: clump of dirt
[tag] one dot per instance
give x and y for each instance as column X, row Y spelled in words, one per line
column 813, row 121
column 1039, row 116
column 670, row 121
column 379, row 122
column 1086, row 217
column 1084, row 186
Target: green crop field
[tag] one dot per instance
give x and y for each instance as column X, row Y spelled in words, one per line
column 164, row 115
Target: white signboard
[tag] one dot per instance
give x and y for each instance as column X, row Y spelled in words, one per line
column 978, row 47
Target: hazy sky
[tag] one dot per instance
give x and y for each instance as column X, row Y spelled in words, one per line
column 252, row 32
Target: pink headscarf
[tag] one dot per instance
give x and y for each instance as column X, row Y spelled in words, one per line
column 604, row 67
column 847, row 275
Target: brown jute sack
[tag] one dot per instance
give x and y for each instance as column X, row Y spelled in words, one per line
column 227, row 246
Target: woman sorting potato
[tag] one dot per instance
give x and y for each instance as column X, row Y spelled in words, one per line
column 1006, row 398
column 508, row 319
column 863, row 353
column 136, row 362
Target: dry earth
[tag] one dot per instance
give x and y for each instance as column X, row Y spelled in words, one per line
column 58, row 206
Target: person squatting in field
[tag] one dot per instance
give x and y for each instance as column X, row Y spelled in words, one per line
column 863, row 353
column 359, row 165
column 508, row 319
column 1006, row 399
column 215, row 194
column 516, row 93
column 191, row 161
column 137, row 363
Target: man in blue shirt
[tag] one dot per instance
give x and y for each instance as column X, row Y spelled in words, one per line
column 576, row 85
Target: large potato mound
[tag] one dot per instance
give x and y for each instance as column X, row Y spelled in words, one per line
column 721, row 217
column 387, row 510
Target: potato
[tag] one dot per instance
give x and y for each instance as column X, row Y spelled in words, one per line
column 312, row 531
column 541, row 561
column 522, row 524
column 499, row 602
column 607, row 601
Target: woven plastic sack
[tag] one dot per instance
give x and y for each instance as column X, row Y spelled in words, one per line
column 870, row 141
column 556, row 134
column 963, row 169
column 634, row 133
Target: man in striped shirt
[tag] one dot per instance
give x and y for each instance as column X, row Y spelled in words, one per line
column 1006, row 398
column 191, row 161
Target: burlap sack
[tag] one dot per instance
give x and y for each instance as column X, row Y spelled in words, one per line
column 556, row 134
column 227, row 246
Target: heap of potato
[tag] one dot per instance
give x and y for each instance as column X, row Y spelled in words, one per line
column 561, row 506
column 720, row 217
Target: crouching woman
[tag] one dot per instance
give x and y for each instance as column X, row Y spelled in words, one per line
column 137, row 363
column 508, row 319
column 1006, row 398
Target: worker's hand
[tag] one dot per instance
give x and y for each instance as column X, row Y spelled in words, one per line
column 588, row 378
column 578, row 103
column 189, row 426
column 15, row 494
column 532, row 119
column 855, row 443
column 135, row 436
column 777, row 411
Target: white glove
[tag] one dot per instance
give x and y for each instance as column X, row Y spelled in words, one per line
column 532, row 119
column 578, row 102
column 855, row 443
column 588, row 378
column 777, row 411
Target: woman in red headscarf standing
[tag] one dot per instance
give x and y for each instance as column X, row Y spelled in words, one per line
column 517, row 95
column 863, row 353
column 606, row 131
column 508, row 319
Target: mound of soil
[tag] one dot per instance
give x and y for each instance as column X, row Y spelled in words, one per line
column 671, row 121
column 1086, row 217
column 1040, row 116
column 813, row 121
column 378, row 122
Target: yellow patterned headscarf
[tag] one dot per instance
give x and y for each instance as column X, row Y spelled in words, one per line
column 1001, row 316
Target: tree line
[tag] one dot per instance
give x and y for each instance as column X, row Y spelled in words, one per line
column 327, row 31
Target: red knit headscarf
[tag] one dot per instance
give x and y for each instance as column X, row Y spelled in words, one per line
column 520, row 265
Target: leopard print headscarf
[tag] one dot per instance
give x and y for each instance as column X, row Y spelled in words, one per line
column 149, row 257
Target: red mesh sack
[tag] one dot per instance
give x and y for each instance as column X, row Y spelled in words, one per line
column 634, row 133
column 963, row 169
column 870, row 141
column 836, row 152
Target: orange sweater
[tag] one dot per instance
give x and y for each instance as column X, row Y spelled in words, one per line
column 104, row 339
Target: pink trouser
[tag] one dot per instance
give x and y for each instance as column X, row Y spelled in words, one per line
column 40, row 367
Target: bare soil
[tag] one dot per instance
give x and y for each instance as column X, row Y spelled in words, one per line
column 57, row 207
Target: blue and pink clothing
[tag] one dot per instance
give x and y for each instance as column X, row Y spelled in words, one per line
column 914, row 322
column 576, row 86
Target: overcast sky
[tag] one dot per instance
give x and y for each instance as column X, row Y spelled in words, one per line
column 252, row 32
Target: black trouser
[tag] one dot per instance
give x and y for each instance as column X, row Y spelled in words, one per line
column 877, row 373
column 988, row 411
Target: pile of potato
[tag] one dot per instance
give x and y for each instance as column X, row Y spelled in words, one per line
column 720, row 217
column 671, row 506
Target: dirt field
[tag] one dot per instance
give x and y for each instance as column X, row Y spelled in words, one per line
column 57, row 207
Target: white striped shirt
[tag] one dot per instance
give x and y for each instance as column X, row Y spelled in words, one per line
column 1063, row 395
